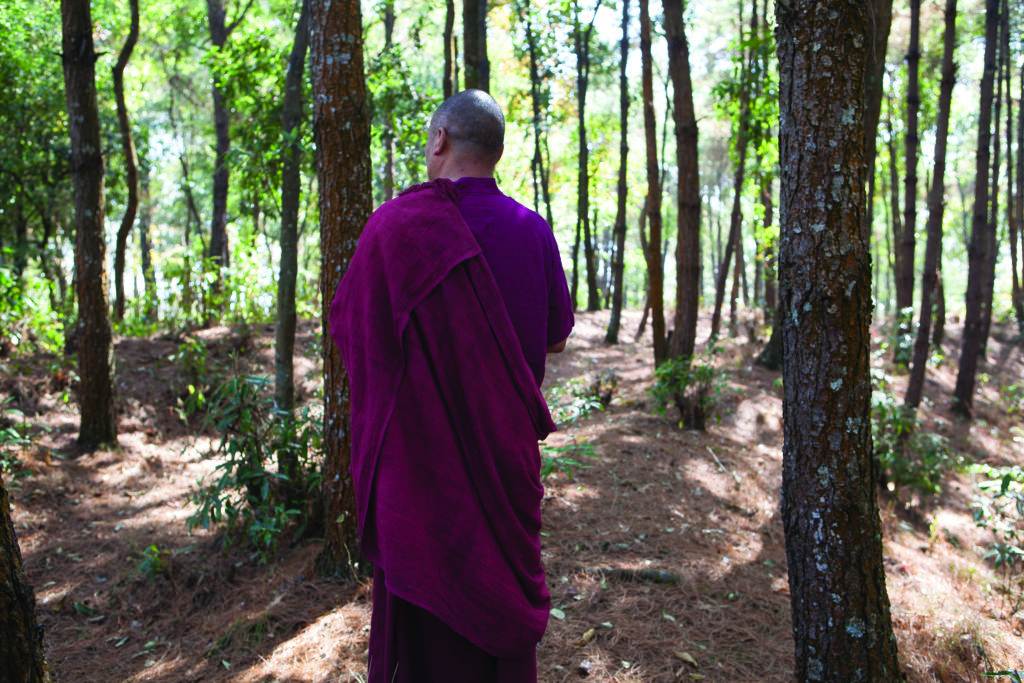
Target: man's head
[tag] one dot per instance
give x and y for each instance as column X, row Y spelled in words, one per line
column 466, row 136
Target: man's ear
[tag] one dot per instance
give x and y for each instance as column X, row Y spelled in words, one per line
column 440, row 141
column 501, row 150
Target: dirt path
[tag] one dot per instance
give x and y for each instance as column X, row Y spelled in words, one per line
column 665, row 555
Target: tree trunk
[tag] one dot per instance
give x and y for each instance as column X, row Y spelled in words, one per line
column 448, row 83
column 538, row 166
column 1002, row 57
column 21, row 638
column 291, row 181
column 841, row 621
column 879, row 23
column 734, row 242
column 474, row 44
column 218, row 223
column 688, row 193
column 98, row 425
column 652, row 205
column 152, row 307
column 388, row 134
column 907, row 241
column 1018, row 303
column 130, row 160
column 618, row 258
column 291, row 188
column 978, row 251
column 342, row 132
column 936, row 204
column 581, row 44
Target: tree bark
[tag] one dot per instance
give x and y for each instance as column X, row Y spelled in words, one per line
column 936, row 204
column 21, row 638
column 988, row 288
column 1019, row 212
column 907, row 242
column 130, row 160
column 841, row 621
column 291, row 189
column 688, row 193
column 448, row 82
column 218, row 223
column 581, row 44
column 879, row 24
column 342, row 132
column 978, row 250
column 538, row 166
column 652, row 205
column 618, row 259
column 98, row 424
column 152, row 307
column 474, row 44
column 388, row 134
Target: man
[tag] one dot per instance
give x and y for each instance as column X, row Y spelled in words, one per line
column 443, row 319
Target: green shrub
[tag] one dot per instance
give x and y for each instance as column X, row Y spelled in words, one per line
column 1012, row 396
column 694, row 386
column 192, row 356
column 999, row 507
column 578, row 397
column 909, row 456
column 13, row 437
column 249, row 493
column 564, row 459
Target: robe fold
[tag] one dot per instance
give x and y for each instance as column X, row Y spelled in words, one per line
column 446, row 416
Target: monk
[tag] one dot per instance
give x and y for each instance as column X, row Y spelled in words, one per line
column 443, row 319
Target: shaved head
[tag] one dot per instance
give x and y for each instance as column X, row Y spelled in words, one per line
column 474, row 124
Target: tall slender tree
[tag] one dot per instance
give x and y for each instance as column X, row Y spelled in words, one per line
column 98, row 424
column 652, row 204
column 988, row 288
column 474, row 44
column 21, row 637
column 684, row 117
column 291, row 189
column 582, row 34
column 907, row 240
column 1018, row 302
column 841, row 622
column 448, row 84
column 131, row 165
column 618, row 262
column 879, row 24
column 936, row 204
column 539, row 167
column 978, row 249
column 220, row 30
column 342, row 134
column 733, row 244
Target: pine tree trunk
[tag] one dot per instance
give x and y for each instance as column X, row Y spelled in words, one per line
column 218, row 247
column 618, row 259
column 879, row 24
column 581, row 44
column 652, row 205
column 1002, row 57
column 146, row 252
column 841, row 621
column 736, row 218
column 684, row 117
column 1019, row 221
column 978, row 250
column 474, row 44
column 130, row 160
column 448, row 81
column 936, row 204
column 388, row 134
column 291, row 189
column 908, row 240
column 21, row 638
column 342, row 132
column 98, row 424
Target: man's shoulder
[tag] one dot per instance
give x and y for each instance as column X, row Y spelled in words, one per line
column 526, row 216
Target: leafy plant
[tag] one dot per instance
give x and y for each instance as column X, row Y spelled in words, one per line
column 1000, row 509
column 694, row 386
column 192, row 357
column 152, row 562
column 250, row 492
column 909, row 456
column 1012, row 396
column 13, row 437
column 576, row 398
column 564, row 459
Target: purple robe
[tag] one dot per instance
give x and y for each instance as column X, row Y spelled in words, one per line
column 446, row 415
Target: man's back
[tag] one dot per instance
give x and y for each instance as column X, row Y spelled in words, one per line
column 521, row 252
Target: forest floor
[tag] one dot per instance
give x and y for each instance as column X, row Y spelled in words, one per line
column 699, row 509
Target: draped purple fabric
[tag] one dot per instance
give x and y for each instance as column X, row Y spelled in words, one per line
column 446, row 415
